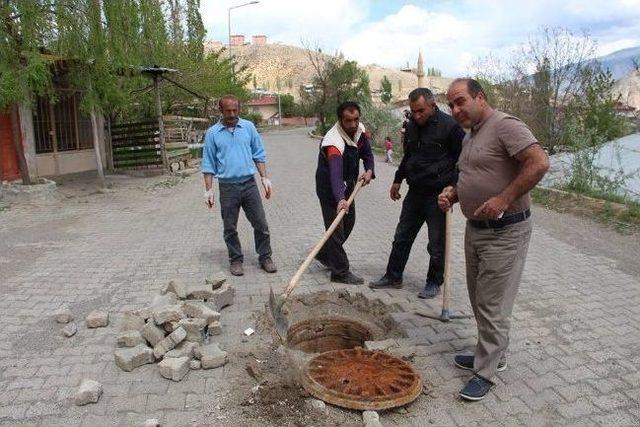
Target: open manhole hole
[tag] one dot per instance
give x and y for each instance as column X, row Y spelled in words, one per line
column 327, row 337
column 328, row 333
column 361, row 379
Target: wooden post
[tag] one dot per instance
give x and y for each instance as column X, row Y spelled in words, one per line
column 17, row 144
column 96, row 147
column 54, row 138
column 163, row 148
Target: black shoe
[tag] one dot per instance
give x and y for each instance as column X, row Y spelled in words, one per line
column 465, row 361
column 476, row 388
column 386, row 282
column 431, row 290
column 268, row 265
column 348, row 279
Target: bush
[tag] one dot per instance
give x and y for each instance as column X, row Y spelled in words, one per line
column 255, row 118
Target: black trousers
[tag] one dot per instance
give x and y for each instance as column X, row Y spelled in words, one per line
column 332, row 253
column 244, row 195
column 417, row 209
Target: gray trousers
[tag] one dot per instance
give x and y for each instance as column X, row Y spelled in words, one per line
column 246, row 196
column 495, row 259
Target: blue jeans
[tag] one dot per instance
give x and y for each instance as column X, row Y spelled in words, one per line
column 244, row 195
column 417, row 209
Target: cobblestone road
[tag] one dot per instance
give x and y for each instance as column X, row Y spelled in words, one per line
column 575, row 349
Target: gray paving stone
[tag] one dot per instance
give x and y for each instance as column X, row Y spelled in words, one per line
column 569, row 333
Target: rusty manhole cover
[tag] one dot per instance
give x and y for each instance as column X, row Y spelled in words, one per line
column 361, row 379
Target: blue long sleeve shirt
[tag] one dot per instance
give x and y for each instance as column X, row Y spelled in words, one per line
column 231, row 156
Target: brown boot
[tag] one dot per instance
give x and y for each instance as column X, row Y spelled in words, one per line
column 268, row 265
column 236, row 268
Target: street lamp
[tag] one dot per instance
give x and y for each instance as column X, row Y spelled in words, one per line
column 229, row 19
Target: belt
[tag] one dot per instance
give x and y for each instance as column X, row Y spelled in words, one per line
column 509, row 219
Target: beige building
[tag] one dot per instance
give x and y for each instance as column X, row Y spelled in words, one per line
column 266, row 106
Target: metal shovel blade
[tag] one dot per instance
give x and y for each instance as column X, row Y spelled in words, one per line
column 280, row 322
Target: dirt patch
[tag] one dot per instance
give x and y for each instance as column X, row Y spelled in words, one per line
column 265, row 373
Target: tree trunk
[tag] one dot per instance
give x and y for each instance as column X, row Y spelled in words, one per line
column 17, row 144
column 96, row 147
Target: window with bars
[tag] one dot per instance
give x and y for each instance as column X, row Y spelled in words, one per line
column 61, row 126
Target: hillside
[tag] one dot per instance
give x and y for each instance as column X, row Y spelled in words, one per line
column 278, row 66
column 629, row 89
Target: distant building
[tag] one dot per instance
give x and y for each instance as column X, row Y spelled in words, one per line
column 259, row 40
column 266, row 106
column 237, row 40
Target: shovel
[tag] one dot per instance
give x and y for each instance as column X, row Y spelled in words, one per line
column 276, row 302
column 445, row 315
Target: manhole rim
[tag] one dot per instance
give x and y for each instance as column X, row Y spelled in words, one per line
column 366, row 330
column 337, row 398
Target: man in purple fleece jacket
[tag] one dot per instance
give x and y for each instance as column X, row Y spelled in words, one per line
column 338, row 171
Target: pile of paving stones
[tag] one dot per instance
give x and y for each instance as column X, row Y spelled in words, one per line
column 176, row 329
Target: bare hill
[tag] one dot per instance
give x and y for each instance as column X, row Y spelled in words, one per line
column 285, row 68
column 629, row 89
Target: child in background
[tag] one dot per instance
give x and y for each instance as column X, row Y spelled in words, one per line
column 388, row 149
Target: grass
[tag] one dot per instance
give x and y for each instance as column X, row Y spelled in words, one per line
column 619, row 213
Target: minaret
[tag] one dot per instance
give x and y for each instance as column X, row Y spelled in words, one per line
column 420, row 70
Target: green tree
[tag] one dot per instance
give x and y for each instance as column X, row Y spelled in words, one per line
column 335, row 81
column 385, row 90
column 195, row 31
column 288, row 106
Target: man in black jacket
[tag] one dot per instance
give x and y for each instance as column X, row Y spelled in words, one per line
column 432, row 142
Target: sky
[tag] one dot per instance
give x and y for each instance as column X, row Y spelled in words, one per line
column 452, row 34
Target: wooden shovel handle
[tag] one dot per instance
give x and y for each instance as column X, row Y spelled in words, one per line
column 447, row 258
column 296, row 277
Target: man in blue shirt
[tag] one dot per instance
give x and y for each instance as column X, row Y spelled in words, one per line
column 232, row 152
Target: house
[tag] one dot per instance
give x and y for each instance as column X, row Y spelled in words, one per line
column 56, row 137
column 266, row 106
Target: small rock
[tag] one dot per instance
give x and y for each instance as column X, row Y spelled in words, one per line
column 173, row 339
column 194, row 328
column 200, row 292
column 128, row 359
column 97, row 319
column 198, row 310
column 383, row 345
column 160, row 301
column 131, row 322
column 171, row 326
column 184, row 349
column 371, row 419
column 145, row 313
column 129, row 339
column 178, row 288
column 151, row 422
column 214, row 328
column 223, row 296
column 211, row 356
column 216, row 280
column 195, row 365
column 174, row 368
column 168, row 313
column 63, row 315
column 152, row 333
column 89, row 392
column 317, row 405
column 70, row 330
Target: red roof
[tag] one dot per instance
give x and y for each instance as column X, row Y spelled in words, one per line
column 263, row 100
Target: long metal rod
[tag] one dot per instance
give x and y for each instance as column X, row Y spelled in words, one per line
column 163, row 148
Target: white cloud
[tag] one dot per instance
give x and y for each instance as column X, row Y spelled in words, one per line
column 397, row 38
column 327, row 22
column 451, row 34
